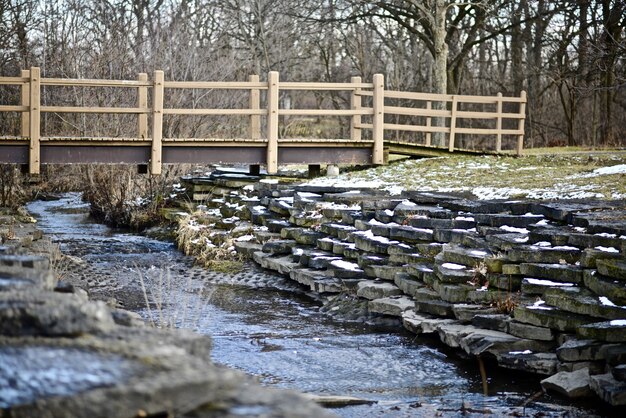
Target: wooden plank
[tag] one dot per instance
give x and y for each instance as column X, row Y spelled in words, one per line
column 214, row 112
column 34, row 159
column 142, row 103
column 74, row 82
column 272, row 122
column 520, row 126
column 14, row 108
column 15, row 80
column 418, row 96
column 499, row 124
column 366, row 93
column 324, row 112
column 415, row 128
column 79, row 109
column 227, row 85
column 323, row 86
column 486, row 131
column 157, row 124
column 25, row 102
column 452, row 125
column 355, row 104
column 417, row 111
column 429, row 106
column 378, row 120
column 255, row 104
column 486, row 115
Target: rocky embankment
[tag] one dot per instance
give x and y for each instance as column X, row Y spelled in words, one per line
column 62, row 355
column 538, row 286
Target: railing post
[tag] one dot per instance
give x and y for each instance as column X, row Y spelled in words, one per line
column 142, row 103
column 429, row 135
column 378, row 122
column 499, row 123
column 157, row 123
column 272, row 122
column 255, row 104
column 355, row 104
column 25, row 101
column 452, row 124
column 34, row 159
column 520, row 126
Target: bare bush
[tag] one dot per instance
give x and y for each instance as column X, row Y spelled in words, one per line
column 12, row 193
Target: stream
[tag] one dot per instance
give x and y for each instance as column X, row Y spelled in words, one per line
column 268, row 327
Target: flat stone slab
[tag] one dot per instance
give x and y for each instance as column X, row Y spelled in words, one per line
column 282, row 265
column 465, row 256
column 526, row 360
column 584, row 302
column 610, row 390
column 555, row 272
column 43, row 313
column 394, row 306
column 316, row 281
column 544, row 255
column 615, row 269
column 434, row 307
column 346, row 270
column 18, row 271
column 571, row 384
column 576, row 350
column 410, row 234
column 371, row 289
column 479, row 341
column 610, row 331
column 282, row 246
column 614, row 290
column 534, row 286
column 367, row 241
column 419, row 323
column 590, row 257
column 528, row 331
column 466, row 312
column 549, row 317
column 407, row 283
column 495, row 322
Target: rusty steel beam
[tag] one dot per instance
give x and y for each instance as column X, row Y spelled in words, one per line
column 175, row 154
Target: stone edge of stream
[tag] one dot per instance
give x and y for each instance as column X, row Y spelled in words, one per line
column 539, row 286
column 171, row 371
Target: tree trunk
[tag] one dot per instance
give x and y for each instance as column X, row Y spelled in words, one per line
column 440, row 67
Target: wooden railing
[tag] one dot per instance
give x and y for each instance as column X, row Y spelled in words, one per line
column 436, row 114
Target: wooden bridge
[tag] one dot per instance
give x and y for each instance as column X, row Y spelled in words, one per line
column 377, row 117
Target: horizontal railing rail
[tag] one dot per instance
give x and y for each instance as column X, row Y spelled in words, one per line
column 421, row 113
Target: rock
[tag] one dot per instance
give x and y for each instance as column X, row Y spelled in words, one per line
column 435, row 307
column 407, row 283
column 431, row 223
column 316, row 281
column 615, row 269
column 327, row 244
column 499, row 220
column 410, row 234
column 465, row 256
column 452, row 333
column 557, row 272
column 611, row 331
column 613, row 289
column 282, row 246
column 19, row 271
column 592, row 241
column 346, row 270
column 479, row 341
column 368, row 242
column 419, row 270
column 543, row 255
column 282, row 265
column 619, row 372
column 539, row 363
column 127, row 318
column 582, row 301
column 466, row 313
column 595, row 367
column 337, row 230
column 532, row 286
column 590, row 256
column 394, row 306
column 453, row 273
column 609, row 389
column 571, row 384
column 452, row 293
column 333, row 401
column 387, row 272
column 36, row 312
column 511, row 269
column 422, row 323
column 370, row 289
column 496, row 322
column 307, row 236
column 548, row 317
column 505, row 282
column 582, row 350
column 532, row 332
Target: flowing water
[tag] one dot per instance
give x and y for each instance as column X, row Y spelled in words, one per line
column 267, row 326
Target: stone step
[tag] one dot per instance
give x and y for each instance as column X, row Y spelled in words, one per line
column 613, row 289
column 307, row 236
column 407, row 283
column 280, row 246
column 419, row 323
column 247, row 248
column 317, row 281
column 277, row 225
column 590, row 256
column 337, row 230
column 339, row 248
column 610, row 331
column 419, row 270
column 533, row 286
column 409, row 234
column 567, row 273
column 582, row 301
column 466, row 312
column 466, row 256
column 579, row 350
column 453, row 293
column 327, row 243
column 384, row 215
column 452, row 273
column 281, row 206
column 544, row 255
column 429, row 250
column 531, row 332
column 366, row 241
column 571, row 384
column 264, row 236
column 282, row 265
column 508, row 282
column 479, row 341
column 346, row 270
column 385, row 272
column 615, row 269
column 527, row 361
column 435, row 307
column 394, row 306
column 499, row 219
column 550, row 317
column 434, row 223
column 375, row 289
column 495, row 321
column 554, row 235
column 592, row 241
column 428, row 211
column 506, row 240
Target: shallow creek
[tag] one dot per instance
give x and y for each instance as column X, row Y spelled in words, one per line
column 265, row 325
